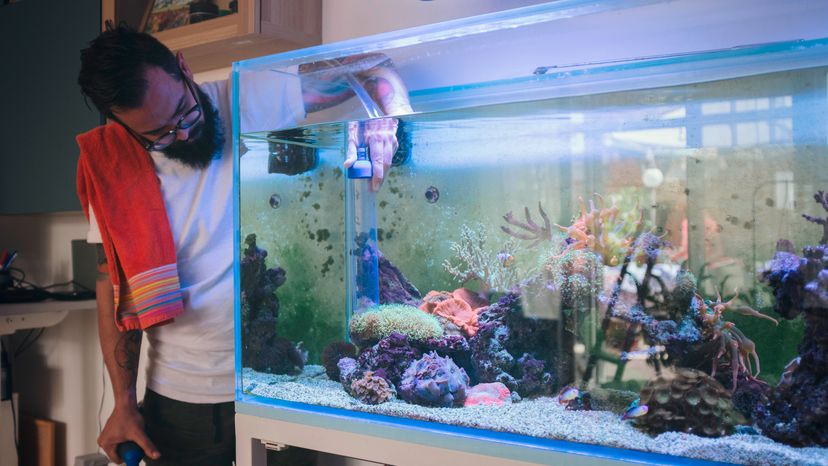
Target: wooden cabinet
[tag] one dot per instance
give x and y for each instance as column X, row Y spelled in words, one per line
column 261, row 27
column 42, row 109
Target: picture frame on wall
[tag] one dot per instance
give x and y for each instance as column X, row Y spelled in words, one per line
column 162, row 15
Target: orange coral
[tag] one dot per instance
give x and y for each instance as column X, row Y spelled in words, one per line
column 460, row 307
column 602, row 230
column 469, row 296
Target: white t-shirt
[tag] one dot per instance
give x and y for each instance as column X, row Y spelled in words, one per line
column 191, row 359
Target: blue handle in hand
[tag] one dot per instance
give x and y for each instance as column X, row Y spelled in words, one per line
column 130, row 452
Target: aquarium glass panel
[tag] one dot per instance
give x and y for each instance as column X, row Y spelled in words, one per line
column 617, row 250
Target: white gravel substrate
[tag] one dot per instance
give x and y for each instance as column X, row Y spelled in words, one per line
column 541, row 417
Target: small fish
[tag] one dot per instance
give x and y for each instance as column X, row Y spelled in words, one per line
column 506, row 259
column 567, row 394
column 635, row 410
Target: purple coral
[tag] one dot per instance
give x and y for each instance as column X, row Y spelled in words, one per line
column 434, row 381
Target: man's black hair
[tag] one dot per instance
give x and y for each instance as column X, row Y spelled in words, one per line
column 113, row 67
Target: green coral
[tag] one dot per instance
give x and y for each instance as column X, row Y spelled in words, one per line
column 375, row 324
column 473, row 262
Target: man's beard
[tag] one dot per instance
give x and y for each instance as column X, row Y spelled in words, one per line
column 205, row 141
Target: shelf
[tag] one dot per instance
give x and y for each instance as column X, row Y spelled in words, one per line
column 22, row 316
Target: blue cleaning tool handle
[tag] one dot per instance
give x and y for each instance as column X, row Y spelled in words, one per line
column 362, row 168
column 130, row 452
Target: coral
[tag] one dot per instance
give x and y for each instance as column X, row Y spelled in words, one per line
column 455, row 347
column 457, row 311
column 513, row 349
column 531, row 231
column 377, row 323
column 692, row 402
column 262, row 350
column 333, row 352
column 750, row 396
column 348, row 372
column 797, row 413
column 603, row 230
column 473, row 262
column 577, row 274
column 372, row 390
column 394, row 288
column 389, row 358
column 475, row 300
column 434, row 381
column 494, row 394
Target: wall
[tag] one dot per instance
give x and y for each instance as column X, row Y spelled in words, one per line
column 346, row 19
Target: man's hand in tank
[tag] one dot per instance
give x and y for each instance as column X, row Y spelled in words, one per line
column 381, row 138
column 125, row 423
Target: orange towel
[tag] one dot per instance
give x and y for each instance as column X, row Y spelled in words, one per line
column 117, row 178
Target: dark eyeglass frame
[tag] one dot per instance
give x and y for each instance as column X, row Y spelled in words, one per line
column 155, row 145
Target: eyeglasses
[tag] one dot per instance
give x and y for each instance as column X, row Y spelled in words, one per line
column 187, row 120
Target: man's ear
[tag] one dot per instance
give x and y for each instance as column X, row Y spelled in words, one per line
column 183, row 65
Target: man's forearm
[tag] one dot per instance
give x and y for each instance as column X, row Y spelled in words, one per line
column 324, row 83
column 121, row 350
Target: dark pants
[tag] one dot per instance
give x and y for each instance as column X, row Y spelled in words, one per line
column 190, row 433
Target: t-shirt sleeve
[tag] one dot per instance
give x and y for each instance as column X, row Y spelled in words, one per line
column 93, row 236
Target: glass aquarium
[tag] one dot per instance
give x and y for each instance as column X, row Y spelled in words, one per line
column 593, row 230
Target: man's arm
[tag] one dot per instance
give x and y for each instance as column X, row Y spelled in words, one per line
column 325, row 83
column 121, row 352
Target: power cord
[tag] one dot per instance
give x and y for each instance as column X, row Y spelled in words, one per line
column 10, row 357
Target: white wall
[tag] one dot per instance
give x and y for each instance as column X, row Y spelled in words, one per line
column 346, row 19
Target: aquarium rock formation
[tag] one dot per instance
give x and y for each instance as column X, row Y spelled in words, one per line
column 389, row 358
column 262, row 350
column 434, row 381
column 394, row 288
column 692, row 402
column 797, row 413
column 332, row 353
column 513, row 349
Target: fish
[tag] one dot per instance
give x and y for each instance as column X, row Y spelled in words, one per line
column 567, row 394
column 506, row 259
column 635, row 409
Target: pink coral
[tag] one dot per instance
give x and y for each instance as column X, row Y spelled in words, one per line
column 494, row 393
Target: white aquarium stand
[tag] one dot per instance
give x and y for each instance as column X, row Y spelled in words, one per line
column 383, row 441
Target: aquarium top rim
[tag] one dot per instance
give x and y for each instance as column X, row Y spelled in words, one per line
column 578, row 79
column 717, row 57
column 485, row 23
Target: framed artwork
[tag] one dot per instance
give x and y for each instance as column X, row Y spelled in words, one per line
column 162, row 15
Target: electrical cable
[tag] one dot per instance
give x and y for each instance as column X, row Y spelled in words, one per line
column 11, row 398
column 20, row 349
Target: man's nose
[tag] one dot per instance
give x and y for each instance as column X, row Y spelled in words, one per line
column 183, row 134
